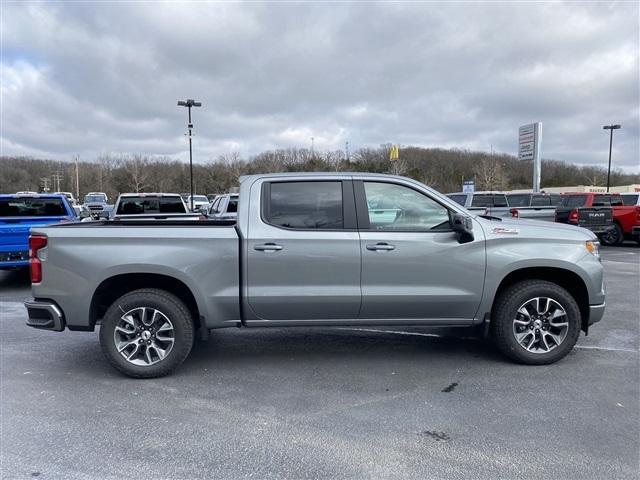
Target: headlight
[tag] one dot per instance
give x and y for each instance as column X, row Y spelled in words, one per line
column 593, row 247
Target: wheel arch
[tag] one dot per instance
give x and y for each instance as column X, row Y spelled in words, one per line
column 570, row 281
column 115, row 286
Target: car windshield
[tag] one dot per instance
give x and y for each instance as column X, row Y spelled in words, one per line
column 94, row 199
column 200, row 198
column 32, row 207
column 150, row 205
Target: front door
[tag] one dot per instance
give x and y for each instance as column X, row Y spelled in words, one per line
column 303, row 255
column 413, row 266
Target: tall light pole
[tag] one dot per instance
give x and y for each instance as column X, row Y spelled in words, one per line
column 611, row 128
column 190, row 103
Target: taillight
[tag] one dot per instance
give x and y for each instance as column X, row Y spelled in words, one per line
column 36, row 242
column 573, row 216
column 514, row 213
column 638, row 214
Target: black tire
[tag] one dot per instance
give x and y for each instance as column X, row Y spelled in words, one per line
column 505, row 311
column 613, row 237
column 171, row 307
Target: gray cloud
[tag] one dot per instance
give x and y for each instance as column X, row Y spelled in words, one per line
column 88, row 78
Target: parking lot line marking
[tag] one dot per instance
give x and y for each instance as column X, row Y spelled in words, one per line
column 435, row 335
column 609, row 349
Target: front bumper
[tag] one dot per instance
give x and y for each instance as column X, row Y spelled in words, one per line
column 45, row 315
column 596, row 312
column 635, row 232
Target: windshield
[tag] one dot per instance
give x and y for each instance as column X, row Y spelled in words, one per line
column 32, row 207
column 200, row 198
column 150, row 205
column 94, row 199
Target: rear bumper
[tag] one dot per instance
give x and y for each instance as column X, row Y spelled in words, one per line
column 45, row 315
column 596, row 313
column 598, row 228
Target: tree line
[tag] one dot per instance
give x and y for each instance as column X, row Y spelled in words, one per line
column 442, row 169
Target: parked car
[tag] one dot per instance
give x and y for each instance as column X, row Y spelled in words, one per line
column 18, row 213
column 309, row 249
column 485, row 203
column 632, row 200
column 224, row 207
column 151, row 206
column 70, row 198
column 200, row 202
column 96, row 204
column 588, row 210
column 534, row 206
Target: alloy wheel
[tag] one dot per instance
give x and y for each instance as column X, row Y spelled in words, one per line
column 144, row 336
column 540, row 325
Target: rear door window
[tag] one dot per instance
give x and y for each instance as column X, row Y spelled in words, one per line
column 574, row 200
column 541, row 201
column 305, row 205
column 518, row 200
column 630, row 199
column 459, row 199
column 32, row 207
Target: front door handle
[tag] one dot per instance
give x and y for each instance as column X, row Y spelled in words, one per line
column 268, row 247
column 385, row 247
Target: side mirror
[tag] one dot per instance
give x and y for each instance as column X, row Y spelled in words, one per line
column 463, row 226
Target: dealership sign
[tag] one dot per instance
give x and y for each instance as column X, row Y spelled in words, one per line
column 529, row 137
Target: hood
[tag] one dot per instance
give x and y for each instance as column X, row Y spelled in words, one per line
column 535, row 229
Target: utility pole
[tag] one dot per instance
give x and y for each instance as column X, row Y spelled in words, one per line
column 312, row 152
column 77, row 179
column 346, row 149
column 190, row 103
column 611, row 128
column 44, row 183
column 57, row 177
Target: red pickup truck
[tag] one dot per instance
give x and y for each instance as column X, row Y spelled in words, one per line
column 625, row 218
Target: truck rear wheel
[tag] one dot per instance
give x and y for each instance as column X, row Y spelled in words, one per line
column 147, row 333
column 535, row 322
column 613, row 237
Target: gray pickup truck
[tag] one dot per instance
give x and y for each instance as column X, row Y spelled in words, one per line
column 317, row 250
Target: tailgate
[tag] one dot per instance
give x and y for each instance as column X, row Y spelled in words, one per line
column 594, row 216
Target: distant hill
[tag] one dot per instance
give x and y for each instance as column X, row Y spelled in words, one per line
column 442, row 169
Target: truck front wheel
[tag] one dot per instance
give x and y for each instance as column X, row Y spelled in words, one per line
column 146, row 333
column 535, row 322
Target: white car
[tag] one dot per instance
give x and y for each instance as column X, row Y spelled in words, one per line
column 199, row 201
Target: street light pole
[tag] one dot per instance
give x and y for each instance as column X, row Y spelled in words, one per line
column 190, row 103
column 611, row 128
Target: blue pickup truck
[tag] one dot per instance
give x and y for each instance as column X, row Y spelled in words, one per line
column 18, row 213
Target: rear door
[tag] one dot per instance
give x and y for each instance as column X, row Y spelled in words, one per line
column 413, row 266
column 303, row 250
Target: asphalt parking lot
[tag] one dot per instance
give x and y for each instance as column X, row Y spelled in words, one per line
column 326, row 403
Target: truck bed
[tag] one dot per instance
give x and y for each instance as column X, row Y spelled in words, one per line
column 84, row 256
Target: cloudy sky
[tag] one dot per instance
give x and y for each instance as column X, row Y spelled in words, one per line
column 92, row 78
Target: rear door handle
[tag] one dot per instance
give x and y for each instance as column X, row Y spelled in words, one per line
column 268, row 247
column 380, row 247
